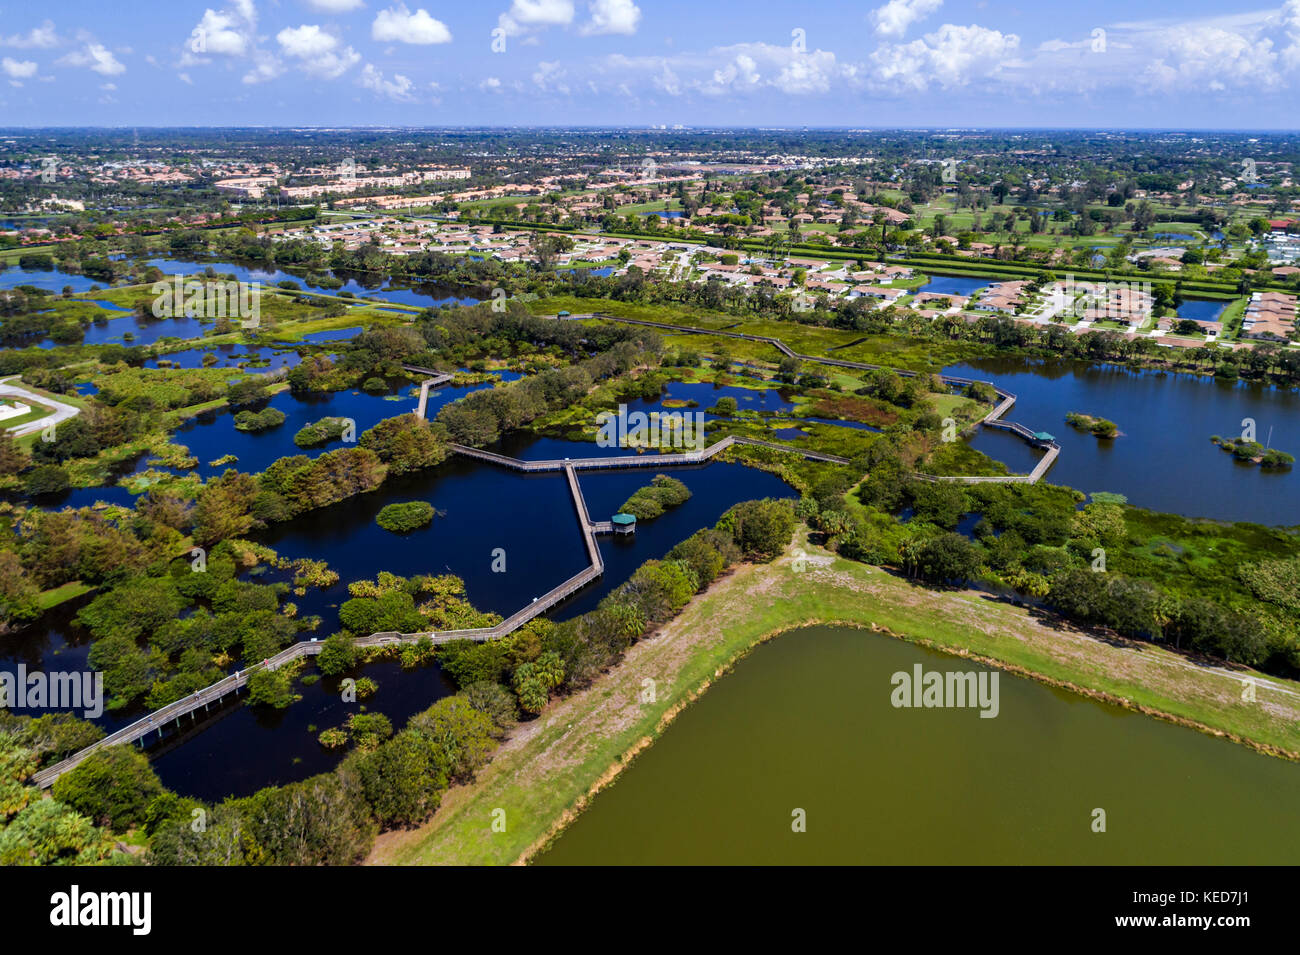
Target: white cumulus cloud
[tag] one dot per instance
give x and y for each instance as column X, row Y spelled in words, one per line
column 738, row 69
column 612, row 16
column 893, row 19
column 526, row 15
column 224, row 32
column 94, row 56
column 1210, row 57
column 398, row 88
column 316, row 51
column 399, row 25
column 42, row 37
column 18, row 69
column 949, row 57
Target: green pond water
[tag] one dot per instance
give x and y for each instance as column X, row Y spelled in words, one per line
column 806, row 722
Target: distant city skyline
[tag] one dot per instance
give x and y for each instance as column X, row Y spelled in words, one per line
column 637, row 63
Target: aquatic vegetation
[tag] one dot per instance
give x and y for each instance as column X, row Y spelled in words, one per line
column 1254, row 452
column 659, row 495
column 324, row 431
column 263, row 420
column 405, row 516
column 1101, row 427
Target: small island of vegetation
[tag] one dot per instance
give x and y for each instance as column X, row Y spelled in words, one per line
column 263, row 420
column 1254, row 452
column 1100, row 427
column 405, row 516
column 658, row 496
column 323, row 432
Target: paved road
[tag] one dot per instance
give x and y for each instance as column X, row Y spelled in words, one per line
column 61, row 413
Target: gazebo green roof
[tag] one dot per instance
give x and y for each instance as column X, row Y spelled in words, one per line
column 1044, row 436
column 624, row 518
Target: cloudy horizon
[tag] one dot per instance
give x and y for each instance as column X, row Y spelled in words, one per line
column 922, row 64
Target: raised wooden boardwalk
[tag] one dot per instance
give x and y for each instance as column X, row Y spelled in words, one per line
column 172, row 714
column 436, row 380
column 617, row 461
column 993, row 419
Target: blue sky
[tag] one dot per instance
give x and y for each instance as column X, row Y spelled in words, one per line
column 641, row 62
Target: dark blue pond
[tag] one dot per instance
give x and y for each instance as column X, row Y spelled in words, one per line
column 714, row 488
column 52, row 279
column 706, row 394
column 245, row 750
column 88, row 497
column 144, row 331
column 965, row 524
column 954, row 285
column 212, row 434
column 106, row 305
column 242, row 749
column 26, row 222
column 601, row 272
column 1163, row 458
column 58, row 645
column 1202, row 309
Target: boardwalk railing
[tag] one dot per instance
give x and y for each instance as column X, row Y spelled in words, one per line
column 160, row 718
column 662, row 459
column 437, row 379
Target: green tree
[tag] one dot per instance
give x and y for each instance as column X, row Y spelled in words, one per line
column 405, row 443
column 405, row 516
column 136, row 606
column 534, row 681
column 46, row 480
column 762, row 529
column 462, row 736
column 947, row 558
column 273, row 688
column 113, row 786
column 402, row 781
column 224, row 509
column 338, row 655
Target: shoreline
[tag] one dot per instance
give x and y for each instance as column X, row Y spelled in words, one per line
column 450, row 838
